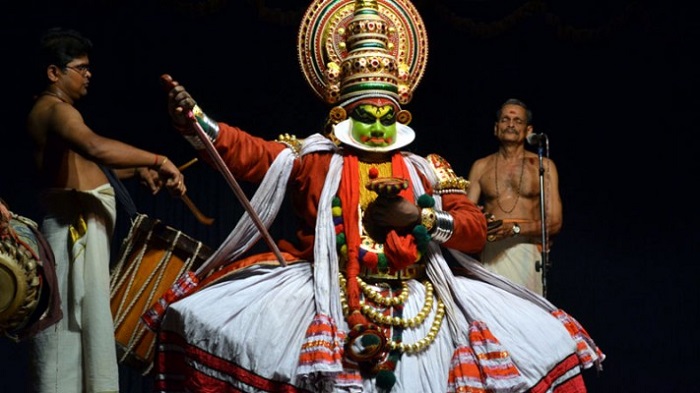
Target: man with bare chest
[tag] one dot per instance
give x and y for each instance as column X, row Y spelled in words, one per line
column 78, row 354
column 506, row 183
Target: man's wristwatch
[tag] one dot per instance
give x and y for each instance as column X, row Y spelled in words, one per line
column 516, row 229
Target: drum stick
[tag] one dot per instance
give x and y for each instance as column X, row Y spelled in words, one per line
column 187, row 164
column 242, row 198
column 188, row 202
column 197, row 213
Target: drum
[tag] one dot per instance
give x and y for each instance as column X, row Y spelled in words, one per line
column 152, row 257
column 24, row 294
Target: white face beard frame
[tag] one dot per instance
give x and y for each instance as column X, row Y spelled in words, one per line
column 343, row 131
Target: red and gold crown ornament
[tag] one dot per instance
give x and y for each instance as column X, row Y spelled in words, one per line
column 351, row 49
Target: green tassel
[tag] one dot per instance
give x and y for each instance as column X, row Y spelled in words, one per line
column 382, row 264
column 386, row 379
column 370, row 340
column 426, row 200
column 420, row 233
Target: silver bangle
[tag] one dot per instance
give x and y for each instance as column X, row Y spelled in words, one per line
column 210, row 127
column 444, row 227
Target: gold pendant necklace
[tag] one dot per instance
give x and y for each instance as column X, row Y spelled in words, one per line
column 520, row 184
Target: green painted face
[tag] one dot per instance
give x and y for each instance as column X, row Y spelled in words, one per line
column 374, row 125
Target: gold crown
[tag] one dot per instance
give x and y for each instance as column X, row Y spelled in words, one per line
column 350, row 49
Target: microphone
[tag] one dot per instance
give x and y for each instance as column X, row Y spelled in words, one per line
column 537, row 139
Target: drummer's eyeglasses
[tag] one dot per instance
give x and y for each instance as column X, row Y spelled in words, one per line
column 82, row 69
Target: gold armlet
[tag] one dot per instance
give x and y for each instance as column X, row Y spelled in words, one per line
column 448, row 181
column 290, row 141
column 428, row 218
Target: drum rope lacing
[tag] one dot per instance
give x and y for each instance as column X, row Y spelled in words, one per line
column 130, row 272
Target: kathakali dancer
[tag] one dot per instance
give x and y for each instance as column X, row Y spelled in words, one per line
column 364, row 300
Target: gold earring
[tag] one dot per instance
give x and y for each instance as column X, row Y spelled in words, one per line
column 404, row 117
column 335, row 116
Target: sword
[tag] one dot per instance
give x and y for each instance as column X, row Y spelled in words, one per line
column 221, row 166
column 231, row 180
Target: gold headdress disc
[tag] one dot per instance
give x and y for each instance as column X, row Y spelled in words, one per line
column 354, row 48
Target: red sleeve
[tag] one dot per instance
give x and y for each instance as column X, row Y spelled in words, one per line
column 469, row 223
column 247, row 157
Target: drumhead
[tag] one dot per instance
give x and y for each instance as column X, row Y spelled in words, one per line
column 29, row 299
column 21, row 288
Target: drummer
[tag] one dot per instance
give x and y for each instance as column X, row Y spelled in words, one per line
column 78, row 354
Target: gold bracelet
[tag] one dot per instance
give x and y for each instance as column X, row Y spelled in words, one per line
column 156, row 166
column 427, row 218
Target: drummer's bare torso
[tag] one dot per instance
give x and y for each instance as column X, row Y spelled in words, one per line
column 58, row 165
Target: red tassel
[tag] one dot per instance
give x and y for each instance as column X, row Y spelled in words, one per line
column 370, row 260
column 373, row 173
column 356, row 318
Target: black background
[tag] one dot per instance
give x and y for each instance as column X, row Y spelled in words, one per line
column 612, row 83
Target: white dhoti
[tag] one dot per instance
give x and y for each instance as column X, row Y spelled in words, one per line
column 78, row 353
column 515, row 259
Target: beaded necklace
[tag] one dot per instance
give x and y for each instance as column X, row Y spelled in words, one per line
column 520, row 184
column 378, row 308
column 375, row 313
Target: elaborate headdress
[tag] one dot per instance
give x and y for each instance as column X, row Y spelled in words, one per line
column 354, row 49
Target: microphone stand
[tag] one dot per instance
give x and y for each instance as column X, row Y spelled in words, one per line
column 543, row 265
